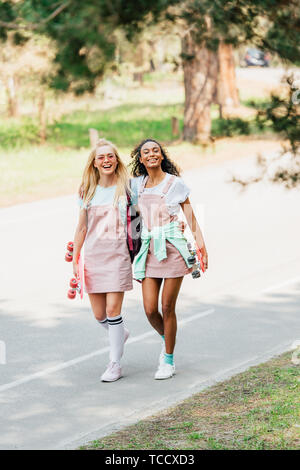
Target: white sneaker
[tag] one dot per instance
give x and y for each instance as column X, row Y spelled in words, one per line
column 112, row 373
column 165, row 371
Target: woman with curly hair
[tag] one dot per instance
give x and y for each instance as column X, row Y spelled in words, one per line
column 163, row 258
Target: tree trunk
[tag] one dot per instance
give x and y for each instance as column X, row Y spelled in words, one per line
column 94, row 137
column 42, row 116
column 138, row 75
column 227, row 94
column 200, row 68
column 175, row 125
column 12, row 99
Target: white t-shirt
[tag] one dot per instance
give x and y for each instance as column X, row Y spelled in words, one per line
column 105, row 196
column 177, row 193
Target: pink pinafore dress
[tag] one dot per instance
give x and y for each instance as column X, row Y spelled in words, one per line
column 154, row 212
column 106, row 256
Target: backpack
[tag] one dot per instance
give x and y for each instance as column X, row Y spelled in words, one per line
column 134, row 229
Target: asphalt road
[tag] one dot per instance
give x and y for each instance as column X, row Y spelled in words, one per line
column 271, row 76
column 244, row 310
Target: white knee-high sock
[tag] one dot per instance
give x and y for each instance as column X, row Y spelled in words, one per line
column 116, row 337
column 103, row 323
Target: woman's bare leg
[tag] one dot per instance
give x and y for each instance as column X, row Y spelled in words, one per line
column 114, row 301
column 170, row 293
column 151, row 287
column 98, row 304
column 109, row 304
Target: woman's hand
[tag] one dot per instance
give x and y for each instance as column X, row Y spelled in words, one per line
column 181, row 226
column 204, row 257
column 75, row 269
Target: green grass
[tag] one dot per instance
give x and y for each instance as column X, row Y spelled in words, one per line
column 125, row 125
column 14, row 133
column 28, row 172
column 256, row 410
column 27, row 168
column 256, row 103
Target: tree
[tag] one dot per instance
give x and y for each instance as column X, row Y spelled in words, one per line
column 84, row 32
column 26, row 62
column 200, row 66
column 227, row 91
column 85, row 36
column 212, row 29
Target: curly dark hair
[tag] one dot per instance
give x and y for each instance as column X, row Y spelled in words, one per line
column 138, row 169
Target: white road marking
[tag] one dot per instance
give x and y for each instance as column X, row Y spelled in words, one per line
column 282, row 284
column 196, row 316
column 86, row 357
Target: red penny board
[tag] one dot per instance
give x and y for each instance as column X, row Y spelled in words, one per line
column 80, row 274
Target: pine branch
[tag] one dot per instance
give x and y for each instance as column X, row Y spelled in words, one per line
column 34, row 26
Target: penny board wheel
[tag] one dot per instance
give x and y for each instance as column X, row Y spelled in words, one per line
column 72, row 294
column 69, row 257
column 70, row 246
column 73, row 283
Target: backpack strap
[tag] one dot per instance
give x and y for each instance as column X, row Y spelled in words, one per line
column 168, row 185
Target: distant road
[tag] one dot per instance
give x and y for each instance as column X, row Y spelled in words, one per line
column 267, row 75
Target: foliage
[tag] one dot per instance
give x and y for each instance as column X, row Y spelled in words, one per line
column 230, row 127
column 85, row 32
column 16, row 134
column 282, row 116
column 30, row 58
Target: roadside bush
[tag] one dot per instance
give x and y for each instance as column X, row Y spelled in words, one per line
column 14, row 134
column 230, row 127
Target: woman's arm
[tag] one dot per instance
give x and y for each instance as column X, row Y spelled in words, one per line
column 195, row 229
column 79, row 238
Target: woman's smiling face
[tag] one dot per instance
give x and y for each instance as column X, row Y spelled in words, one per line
column 105, row 160
column 151, row 156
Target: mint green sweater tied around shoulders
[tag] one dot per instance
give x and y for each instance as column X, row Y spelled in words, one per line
column 169, row 232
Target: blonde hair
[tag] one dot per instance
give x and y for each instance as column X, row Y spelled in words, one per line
column 91, row 176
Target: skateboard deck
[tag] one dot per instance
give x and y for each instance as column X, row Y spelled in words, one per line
column 200, row 259
column 81, row 274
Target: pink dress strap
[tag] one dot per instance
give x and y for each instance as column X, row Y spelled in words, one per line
column 142, row 187
column 168, row 185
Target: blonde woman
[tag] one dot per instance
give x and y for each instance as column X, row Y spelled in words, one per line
column 101, row 228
